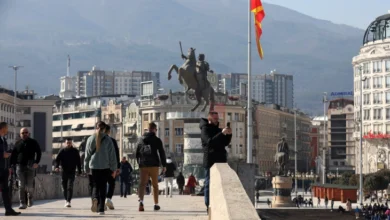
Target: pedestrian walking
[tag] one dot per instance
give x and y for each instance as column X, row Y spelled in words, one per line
column 125, row 174
column 26, row 156
column 357, row 212
column 150, row 153
column 318, row 202
column 331, row 205
column 69, row 159
column 168, row 178
column 5, row 171
column 214, row 140
column 101, row 162
column 180, row 181
column 191, row 183
column 111, row 181
column 326, row 200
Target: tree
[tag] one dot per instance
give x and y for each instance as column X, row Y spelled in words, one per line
column 354, row 180
column 375, row 182
column 344, row 179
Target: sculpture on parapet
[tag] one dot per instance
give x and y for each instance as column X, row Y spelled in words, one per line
column 282, row 156
column 193, row 75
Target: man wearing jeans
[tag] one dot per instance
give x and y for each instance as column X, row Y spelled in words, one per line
column 69, row 158
column 214, row 141
column 150, row 153
column 26, row 156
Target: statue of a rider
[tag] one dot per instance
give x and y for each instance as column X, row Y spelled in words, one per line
column 282, row 156
column 202, row 67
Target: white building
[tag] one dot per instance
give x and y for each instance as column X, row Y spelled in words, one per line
column 372, row 65
column 34, row 114
column 270, row 88
column 129, row 82
column 79, row 118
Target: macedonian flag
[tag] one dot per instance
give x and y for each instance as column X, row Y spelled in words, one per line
column 259, row 14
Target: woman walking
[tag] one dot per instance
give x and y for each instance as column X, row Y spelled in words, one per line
column 101, row 162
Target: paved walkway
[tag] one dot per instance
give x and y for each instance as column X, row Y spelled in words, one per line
column 176, row 208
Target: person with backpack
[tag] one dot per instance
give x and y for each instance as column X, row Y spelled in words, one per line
column 169, row 175
column 101, row 162
column 150, row 153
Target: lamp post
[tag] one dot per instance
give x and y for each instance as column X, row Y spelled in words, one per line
column 295, row 150
column 15, row 68
column 362, row 79
column 324, row 141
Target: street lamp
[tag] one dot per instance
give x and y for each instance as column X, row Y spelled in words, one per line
column 15, row 68
column 324, row 141
column 295, row 150
column 362, row 79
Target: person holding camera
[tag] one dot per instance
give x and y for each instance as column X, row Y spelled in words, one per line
column 214, row 140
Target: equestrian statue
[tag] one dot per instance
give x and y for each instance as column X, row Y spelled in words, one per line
column 193, row 75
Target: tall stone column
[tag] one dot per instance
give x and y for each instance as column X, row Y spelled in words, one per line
column 193, row 151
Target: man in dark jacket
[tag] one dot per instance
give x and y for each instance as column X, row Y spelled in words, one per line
column 180, row 182
column 26, row 156
column 5, row 170
column 214, row 141
column 69, row 158
column 111, row 181
column 150, row 154
column 169, row 175
column 125, row 173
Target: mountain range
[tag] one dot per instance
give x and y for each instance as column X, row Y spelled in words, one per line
column 144, row 35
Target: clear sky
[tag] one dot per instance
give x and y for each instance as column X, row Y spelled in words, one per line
column 357, row 13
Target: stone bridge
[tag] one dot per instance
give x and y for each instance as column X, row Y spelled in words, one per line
column 228, row 201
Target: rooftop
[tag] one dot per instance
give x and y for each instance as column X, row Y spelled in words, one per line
column 379, row 29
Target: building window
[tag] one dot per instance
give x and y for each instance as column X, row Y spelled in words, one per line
column 179, row 131
column 367, row 114
column 377, row 82
column 377, row 98
column 179, row 149
column 377, row 129
column 387, row 81
column 158, row 116
column 167, row 150
column 377, row 67
column 236, row 117
column 366, row 68
column 241, row 149
column 387, row 113
column 366, row 99
column 166, row 132
column 146, row 117
column 388, row 129
column 378, row 113
column 366, row 84
column 229, row 116
column 387, row 65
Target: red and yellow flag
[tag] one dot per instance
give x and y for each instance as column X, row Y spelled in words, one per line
column 259, row 14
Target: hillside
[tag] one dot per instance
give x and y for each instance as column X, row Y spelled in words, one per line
column 132, row 34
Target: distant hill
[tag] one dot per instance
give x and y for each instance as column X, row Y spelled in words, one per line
column 133, row 34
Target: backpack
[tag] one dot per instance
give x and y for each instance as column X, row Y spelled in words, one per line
column 146, row 154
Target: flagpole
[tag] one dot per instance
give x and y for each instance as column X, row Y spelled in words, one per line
column 249, row 107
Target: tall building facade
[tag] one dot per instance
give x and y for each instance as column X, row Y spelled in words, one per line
column 372, row 84
column 100, row 82
column 341, row 142
column 273, row 88
column 273, row 123
column 32, row 113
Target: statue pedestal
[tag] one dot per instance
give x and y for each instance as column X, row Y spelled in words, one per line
column 282, row 191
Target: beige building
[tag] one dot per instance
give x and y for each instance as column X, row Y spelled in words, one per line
column 175, row 122
column 33, row 113
column 272, row 123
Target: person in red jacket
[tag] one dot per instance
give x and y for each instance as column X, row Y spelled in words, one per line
column 191, row 183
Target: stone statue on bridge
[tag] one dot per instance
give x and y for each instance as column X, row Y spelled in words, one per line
column 193, row 75
column 282, row 156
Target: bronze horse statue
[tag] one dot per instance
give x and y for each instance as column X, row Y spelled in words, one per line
column 187, row 78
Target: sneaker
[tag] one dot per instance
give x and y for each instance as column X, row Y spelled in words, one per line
column 94, row 206
column 22, row 206
column 109, row 204
column 68, row 205
column 101, row 213
column 156, row 207
column 141, row 207
column 30, row 202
